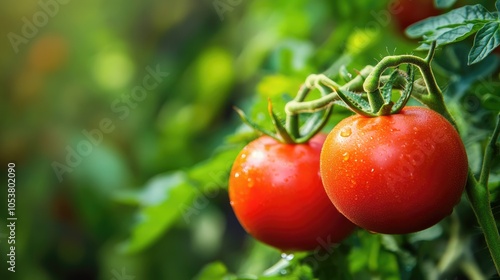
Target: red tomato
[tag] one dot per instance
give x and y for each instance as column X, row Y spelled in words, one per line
column 394, row 174
column 277, row 195
column 407, row 12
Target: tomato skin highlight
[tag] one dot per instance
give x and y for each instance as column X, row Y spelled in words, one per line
column 394, row 174
column 277, row 195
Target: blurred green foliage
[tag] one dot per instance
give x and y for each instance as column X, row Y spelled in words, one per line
column 149, row 199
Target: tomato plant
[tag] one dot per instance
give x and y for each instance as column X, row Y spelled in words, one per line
column 394, row 174
column 389, row 168
column 278, row 197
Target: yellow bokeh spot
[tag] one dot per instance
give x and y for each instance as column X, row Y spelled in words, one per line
column 113, row 70
column 360, row 40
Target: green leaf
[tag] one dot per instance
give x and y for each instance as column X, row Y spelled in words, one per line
column 213, row 173
column 212, row 271
column 491, row 102
column 452, row 63
column 476, row 14
column 391, row 244
column 444, row 4
column 497, row 5
column 486, row 40
column 161, row 200
column 447, row 35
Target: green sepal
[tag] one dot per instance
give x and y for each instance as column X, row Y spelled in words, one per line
column 355, row 102
column 278, row 125
column 406, row 93
column 254, row 125
column 387, row 88
column 314, row 125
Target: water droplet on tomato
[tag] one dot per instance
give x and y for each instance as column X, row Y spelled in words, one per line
column 250, row 182
column 373, row 169
column 346, row 156
column 236, row 175
column 346, row 132
column 287, row 257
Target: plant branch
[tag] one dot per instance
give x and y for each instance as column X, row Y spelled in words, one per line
column 489, row 153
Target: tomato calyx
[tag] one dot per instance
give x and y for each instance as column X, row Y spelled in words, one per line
column 379, row 101
column 290, row 130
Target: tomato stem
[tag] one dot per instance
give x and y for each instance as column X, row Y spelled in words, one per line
column 292, row 118
column 490, row 151
column 479, row 199
column 479, row 196
column 297, row 105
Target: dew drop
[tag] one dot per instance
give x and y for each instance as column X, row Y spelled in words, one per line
column 346, row 132
column 346, row 156
column 286, row 256
column 373, row 170
column 250, row 182
column 236, row 175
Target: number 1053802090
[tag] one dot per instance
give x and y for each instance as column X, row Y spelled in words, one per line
column 11, row 184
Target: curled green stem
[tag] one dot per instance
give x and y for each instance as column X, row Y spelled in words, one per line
column 298, row 105
column 433, row 98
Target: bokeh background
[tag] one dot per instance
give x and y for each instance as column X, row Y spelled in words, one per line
column 67, row 66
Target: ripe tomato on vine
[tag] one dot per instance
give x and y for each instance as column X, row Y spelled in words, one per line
column 277, row 195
